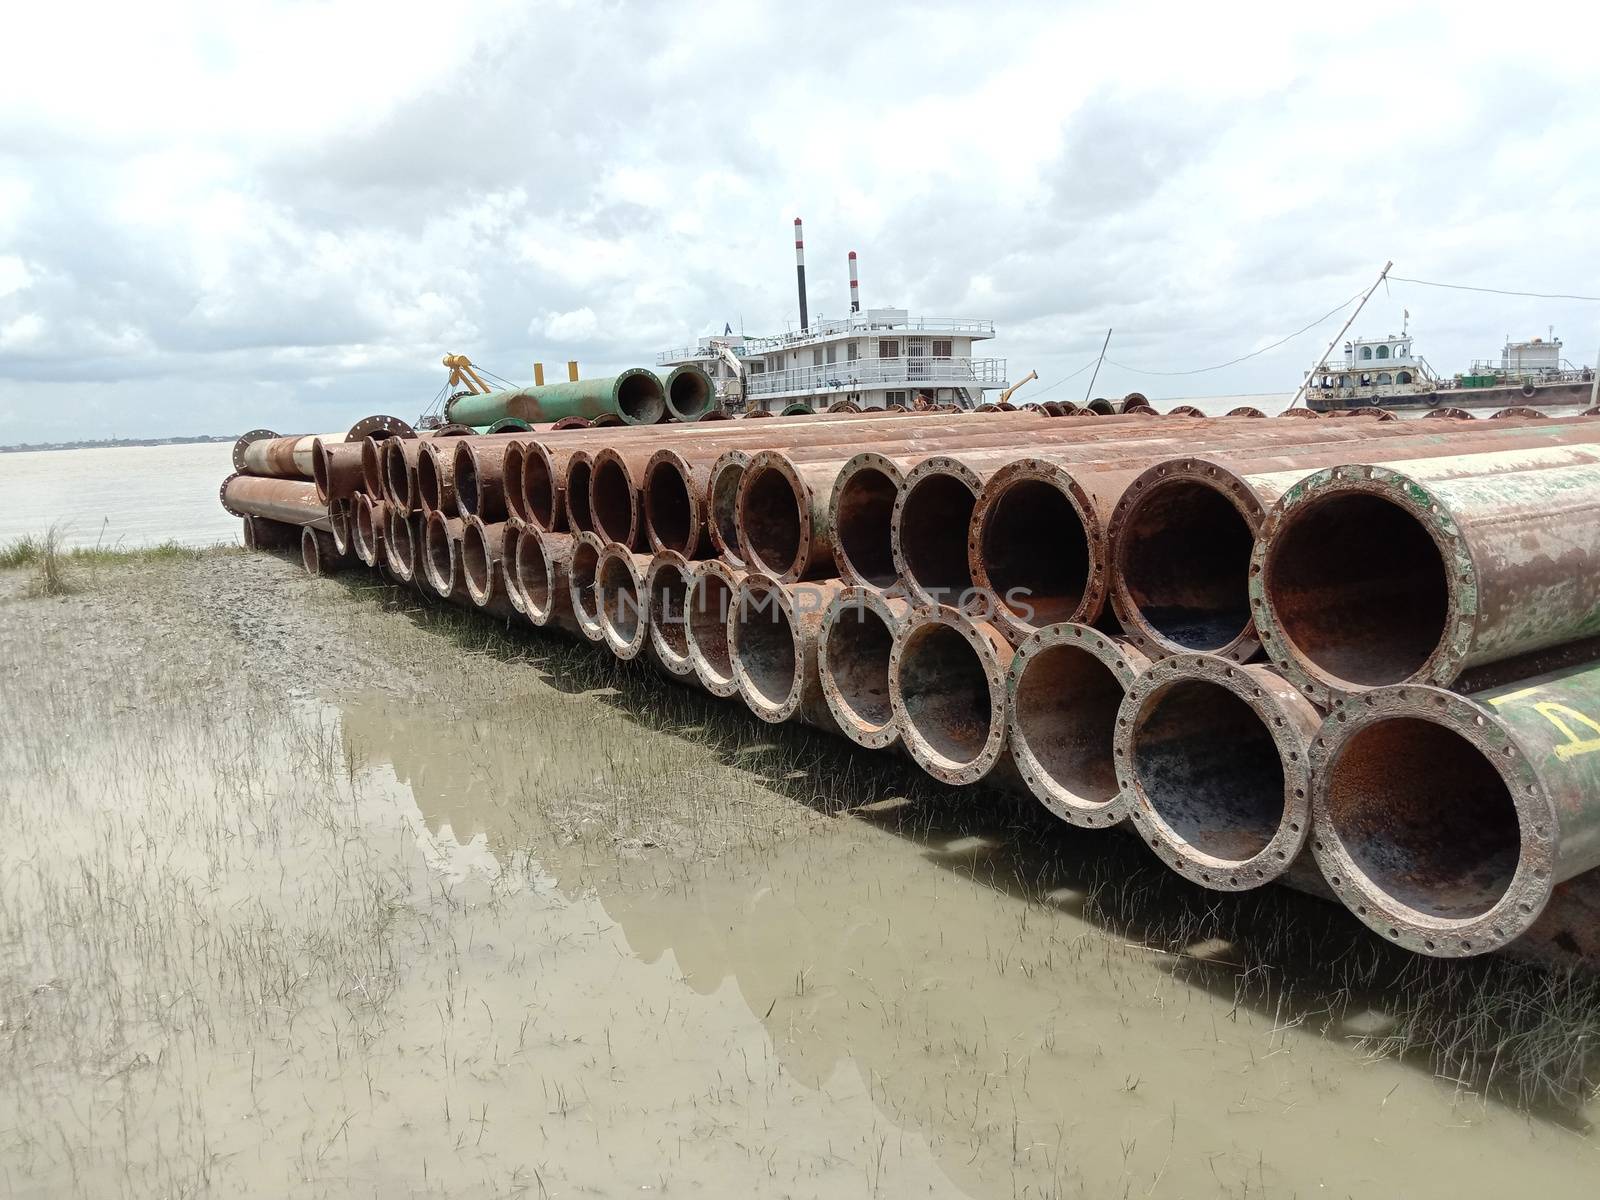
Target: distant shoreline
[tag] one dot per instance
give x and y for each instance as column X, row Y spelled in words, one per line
column 111, row 443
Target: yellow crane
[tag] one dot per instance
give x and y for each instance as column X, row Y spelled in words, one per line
column 463, row 375
column 1005, row 396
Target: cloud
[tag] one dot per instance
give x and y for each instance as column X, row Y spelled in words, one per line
column 284, row 215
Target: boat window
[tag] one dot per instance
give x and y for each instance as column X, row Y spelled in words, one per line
column 1366, row 352
column 1403, row 377
column 1344, row 381
column 889, row 348
column 1383, row 352
column 1384, row 378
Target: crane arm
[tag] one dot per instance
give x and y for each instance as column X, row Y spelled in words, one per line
column 464, row 374
column 1005, row 396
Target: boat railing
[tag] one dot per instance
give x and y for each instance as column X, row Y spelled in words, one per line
column 906, row 372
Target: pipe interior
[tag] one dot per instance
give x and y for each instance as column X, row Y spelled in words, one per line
column 669, row 599
column 585, row 559
column 933, row 536
column 666, row 506
column 769, row 512
column 511, row 480
column 578, row 516
column 436, row 545
column 1359, row 588
column 364, row 540
column 533, row 576
column 396, row 474
column 690, row 394
column 859, row 645
column 725, row 504
column 711, row 599
column 1036, row 553
column 612, row 502
column 1186, row 564
column 1425, row 816
column 945, row 692
column 1066, row 712
column 538, row 491
column 863, row 522
column 310, row 556
column 764, row 642
column 400, row 545
column 618, row 597
column 475, row 560
column 465, row 474
column 428, row 478
column 640, row 398
column 1210, row 769
column 319, row 472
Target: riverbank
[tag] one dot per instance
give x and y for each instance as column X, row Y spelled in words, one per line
column 345, row 892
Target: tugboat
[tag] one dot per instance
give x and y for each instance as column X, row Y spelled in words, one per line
column 1387, row 373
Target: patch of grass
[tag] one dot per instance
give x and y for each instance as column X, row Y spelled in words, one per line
column 50, row 578
column 32, row 551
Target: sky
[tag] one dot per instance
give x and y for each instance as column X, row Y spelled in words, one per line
column 219, row 217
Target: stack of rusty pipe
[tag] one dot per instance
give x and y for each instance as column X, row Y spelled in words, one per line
column 1358, row 657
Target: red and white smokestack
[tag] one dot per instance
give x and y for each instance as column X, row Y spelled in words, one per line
column 800, row 272
column 855, row 286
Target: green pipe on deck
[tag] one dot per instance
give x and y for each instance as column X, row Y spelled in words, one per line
column 635, row 395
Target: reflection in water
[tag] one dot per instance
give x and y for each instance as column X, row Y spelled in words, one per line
column 945, row 959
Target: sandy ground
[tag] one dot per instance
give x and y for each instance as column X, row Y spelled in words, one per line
column 312, row 889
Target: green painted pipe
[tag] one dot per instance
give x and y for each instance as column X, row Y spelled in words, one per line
column 690, row 392
column 798, row 409
column 635, row 395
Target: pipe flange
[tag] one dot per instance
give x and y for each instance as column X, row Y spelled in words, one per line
column 1228, row 484
column 1532, row 881
column 777, row 461
column 893, row 612
column 994, row 657
column 255, row 435
column 1445, row 662
column 625, row 646
column 222, row 495
column 713, row 677
column 865, row 461
column 1124, row 663
column 380, row 426
column 936, row 464
column 1284, row 717
column 772, row 587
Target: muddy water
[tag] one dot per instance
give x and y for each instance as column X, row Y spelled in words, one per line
column 1030, row 1052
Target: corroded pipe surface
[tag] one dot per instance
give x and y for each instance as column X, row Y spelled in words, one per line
column 368, row 525
column 1448, row 823
column 1423, row 571
column 713, row 595
column 1214, row 758
column 1064, row 689
column 483, row 559
column 441, row 557
column 622, row 600
column 947, row 682
column 336, row 469
column 318, row 554
column 339, row 522
column 689, row 393
column 291, row 501
column 667, row 584
column 436, row 476
column 543, row 562
column 854, row 646
column 583, row 564
column 402, row 543
column 635, row 396
column 772, row 642
column 478, row 471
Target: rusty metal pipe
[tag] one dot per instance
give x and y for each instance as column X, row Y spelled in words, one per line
column 339, row 519
column 713, row 594
column 436, row 476
column 583, row 564
column 1214, row 758
column 543, row 573
column 772, row 643
column 511, row 494
column 1064, row 688
column 400, row 458
column 574, row 494
column 614, row 499
column 291, row 501
column 667, row 584
column 336, row 469
column 1450, row 823
column 478, row 475
column 483, row 559
column 1181, row 535
column 318, row 554
column 368, row 528
column 622, row 600
column 402, row 543
column 947, row 682
column 441, row 557
column 854, row 647
column 262, row 533
column 1423, row 571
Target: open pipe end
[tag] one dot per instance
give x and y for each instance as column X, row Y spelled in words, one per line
column 1215, row 761
column 439, row 565
column 580, row 469
column 667, row 584
column 764, row 645
column 1066, row 685
column 1181, row 538
column 540, row 567
column 368, row 529
column 722, row 491
column 478, row 559
column 400, row 543
column 511, row 481
column 311, row 556
column 688, row 392
column 774, row 517
column 613, row 499
column 640, row 398
column 464, row 476
column 862, row 509
column 1432, row 825
column 854, row 647
column 620, row 602
column 372, row 466
column 711, row 601
column 1357, row 584
column 339, row 522
column 541, row 496
column 581, row 570
column 932, row 516
column 321, row 470
column 398, row 478
column 672, row 516
column 1033, row 549
column 947, row 684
